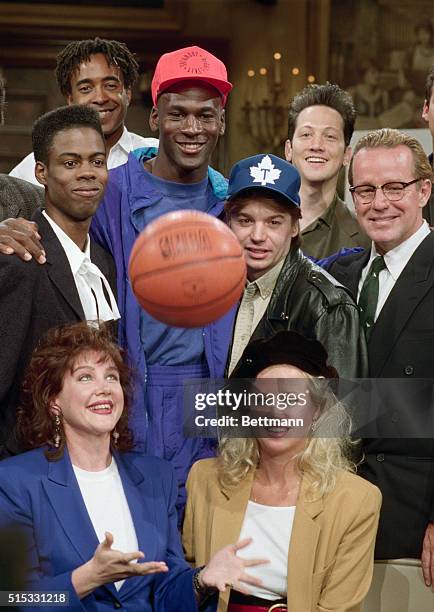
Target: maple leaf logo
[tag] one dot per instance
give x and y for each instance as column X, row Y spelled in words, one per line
column 265, row 172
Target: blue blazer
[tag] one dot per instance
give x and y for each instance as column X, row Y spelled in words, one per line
column 43, row 498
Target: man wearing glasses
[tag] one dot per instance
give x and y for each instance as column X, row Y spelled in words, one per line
column 393, row 282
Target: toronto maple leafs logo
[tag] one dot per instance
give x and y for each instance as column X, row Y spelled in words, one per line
column 265, row 172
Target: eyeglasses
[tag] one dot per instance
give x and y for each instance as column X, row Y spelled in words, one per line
column 365, row 194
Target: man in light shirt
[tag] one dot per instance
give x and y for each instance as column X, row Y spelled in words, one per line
column 100, row 73
column 390, row 179
column 285, row 290
column 76, row 282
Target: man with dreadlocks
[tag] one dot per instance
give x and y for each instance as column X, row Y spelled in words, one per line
column 100, row 73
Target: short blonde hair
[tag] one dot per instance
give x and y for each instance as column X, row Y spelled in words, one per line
column 389, row 138
column 323, row 458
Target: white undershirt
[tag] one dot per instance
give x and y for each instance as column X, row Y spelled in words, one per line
column 270, row 528
column 396, row 259
column 88, row 278
column 107, row 506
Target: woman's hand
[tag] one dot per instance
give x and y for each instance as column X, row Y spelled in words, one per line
column 226, row 569
column 108, row 565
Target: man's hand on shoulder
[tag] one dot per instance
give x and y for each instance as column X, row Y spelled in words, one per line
column 21, row 237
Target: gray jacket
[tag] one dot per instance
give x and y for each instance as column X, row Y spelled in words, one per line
column 19, row 198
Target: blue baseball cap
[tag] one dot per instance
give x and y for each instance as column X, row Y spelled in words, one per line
column 267, row 172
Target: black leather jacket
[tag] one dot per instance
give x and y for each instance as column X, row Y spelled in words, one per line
column 308, row 300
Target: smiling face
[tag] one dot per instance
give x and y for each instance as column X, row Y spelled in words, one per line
column 101, row 86
column 75, row 175
column 264, row 230
column 189, row 119
column 318, row 148
column 91, row 400
column 280, row 441
column 387, row 223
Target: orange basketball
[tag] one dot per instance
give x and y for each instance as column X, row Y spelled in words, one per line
column 187, row 269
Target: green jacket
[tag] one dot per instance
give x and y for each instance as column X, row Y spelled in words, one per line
column 336, row 228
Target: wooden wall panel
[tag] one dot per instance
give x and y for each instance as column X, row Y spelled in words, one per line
column 243, row 33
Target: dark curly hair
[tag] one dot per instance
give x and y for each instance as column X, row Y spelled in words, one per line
column 324, row 95
column 46, row 127
column 79, row 51
column 54, row 356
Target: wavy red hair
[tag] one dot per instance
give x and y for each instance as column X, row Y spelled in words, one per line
column 54, row 356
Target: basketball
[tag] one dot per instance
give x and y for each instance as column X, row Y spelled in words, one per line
column 187, row 269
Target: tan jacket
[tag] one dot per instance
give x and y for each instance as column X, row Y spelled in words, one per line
column 330, row 561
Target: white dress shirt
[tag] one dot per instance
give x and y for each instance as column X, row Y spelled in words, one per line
column 88, row 278
column 396, row 259
column 117, row 156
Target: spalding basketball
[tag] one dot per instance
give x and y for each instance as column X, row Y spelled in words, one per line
column 187, row 269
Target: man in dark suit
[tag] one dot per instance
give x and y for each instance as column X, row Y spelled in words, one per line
column 390, row 179
column 72, row 285
column 17, row 197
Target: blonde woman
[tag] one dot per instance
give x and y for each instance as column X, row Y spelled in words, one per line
column 296, row 497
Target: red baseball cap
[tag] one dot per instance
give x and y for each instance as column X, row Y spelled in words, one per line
column 190, row 63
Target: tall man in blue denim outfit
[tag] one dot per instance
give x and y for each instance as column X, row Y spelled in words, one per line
column 189, row 92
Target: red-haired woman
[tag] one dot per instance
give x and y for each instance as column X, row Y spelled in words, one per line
column 100, row 520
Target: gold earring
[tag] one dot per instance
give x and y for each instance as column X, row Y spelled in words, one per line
column 57, row 431
column 314, row 425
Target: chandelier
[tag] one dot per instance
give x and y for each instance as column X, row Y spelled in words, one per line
column 267, row 97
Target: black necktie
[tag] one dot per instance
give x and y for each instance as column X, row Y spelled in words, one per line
column 368, row 298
